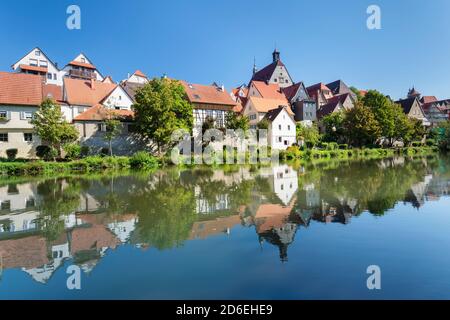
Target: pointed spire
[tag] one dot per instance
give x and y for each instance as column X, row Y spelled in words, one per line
column 276, row 55
column 254, row 65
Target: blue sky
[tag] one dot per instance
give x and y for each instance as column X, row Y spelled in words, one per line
column 204, row 41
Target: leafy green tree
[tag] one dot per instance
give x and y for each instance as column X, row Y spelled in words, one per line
column 161, row 108
column 263, row 124
column 309, row 134
column 361, row 126
column 236, row 121
column 334, row 127
column 50, row 125
column 356, row 92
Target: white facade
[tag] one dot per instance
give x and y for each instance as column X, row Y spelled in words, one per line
column 118, row 99
column 37, row 58
column 285, row 183
column 137, row 79
column 282, row 132
column 16, row 131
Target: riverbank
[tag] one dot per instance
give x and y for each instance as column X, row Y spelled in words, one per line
column 144, row 161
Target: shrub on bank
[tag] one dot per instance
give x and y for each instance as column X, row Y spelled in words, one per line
column 144, row 161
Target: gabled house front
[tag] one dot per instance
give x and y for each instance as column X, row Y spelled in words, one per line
column 303, row 106
column 282, row 128
column 412, row 108
column 274, row 73
column 82, row 68
column 38, row 63
column 20, row 97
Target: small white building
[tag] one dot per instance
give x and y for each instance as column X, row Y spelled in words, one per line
column 282, row 131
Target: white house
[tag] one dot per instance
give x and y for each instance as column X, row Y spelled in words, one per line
column 82, row 68
column 37, row 62
column 282, row 131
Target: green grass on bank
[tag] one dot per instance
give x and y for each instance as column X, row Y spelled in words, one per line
column 145, row 161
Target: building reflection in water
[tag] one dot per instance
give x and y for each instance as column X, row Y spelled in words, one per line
column 44, row 224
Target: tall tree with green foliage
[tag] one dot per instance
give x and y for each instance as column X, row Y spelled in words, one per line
column 161, row 108
column 51, row 127
column 334, row 126
column 309, row 134
column 236, row 121
column 361, row 126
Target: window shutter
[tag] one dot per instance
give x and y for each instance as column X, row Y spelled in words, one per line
column 22, row 115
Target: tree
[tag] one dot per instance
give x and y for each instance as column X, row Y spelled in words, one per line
column 309, row 134
column 361, row 126
column 50, row 125
column 356, row 92
column 161, row 108
column 236, row 121
column 112, row 130
column 263, row 124
column 333, row 124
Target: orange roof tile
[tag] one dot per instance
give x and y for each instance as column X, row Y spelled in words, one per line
column 265, row 105
column 29, row 252
column 87, row 92
column 20, row 89
column 269, row 91
column 82, row 64
column 53, row 91
column 100, row 113
column 203, row 94
column 139, row 74
column 33, row 68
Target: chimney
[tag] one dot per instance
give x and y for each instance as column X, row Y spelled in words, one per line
column 92, row 83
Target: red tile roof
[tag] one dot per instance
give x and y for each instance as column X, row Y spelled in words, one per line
column 53, row 91
column 87, row 92
column 139, row 74
column 269, row 91
column 265, row 105
column 203, row 94
column 428, row 99
column 33, row 68
column 82, row 64
column 317, row 86
column 100, row 113
column 20, row 89
column 290, row 91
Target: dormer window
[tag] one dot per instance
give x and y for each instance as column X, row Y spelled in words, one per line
column 37, row 53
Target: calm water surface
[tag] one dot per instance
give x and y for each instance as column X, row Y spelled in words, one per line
column 284, row 232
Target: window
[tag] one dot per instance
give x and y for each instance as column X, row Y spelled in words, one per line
column 43, row 63
column 289, row 127
column 279, row 139
column 120, row 97
column 285, row 142
column 3, row 114
column 26, row 115
column 54, row 76
column 6, row 205
column 30, row 203
column 279, row 126
column 12, row 189
column 28, row 137
column 287, row 81
column 4, row 137
column 49, row 76
column 37, row 53
column 275, row 80
column 101, row 127
column 33, row 62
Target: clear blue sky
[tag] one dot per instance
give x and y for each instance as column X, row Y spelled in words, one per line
column 204, row 41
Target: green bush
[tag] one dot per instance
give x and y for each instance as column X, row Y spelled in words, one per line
column 73, row 151
column 416, row 143
column 84, row 152
column 431, row 142
column 11, row 153
column 104, row 151
column 143, row 160
column 343, row 146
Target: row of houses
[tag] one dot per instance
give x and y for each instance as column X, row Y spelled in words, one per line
column 86, row 96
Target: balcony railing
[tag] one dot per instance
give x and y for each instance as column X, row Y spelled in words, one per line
column 85, row 74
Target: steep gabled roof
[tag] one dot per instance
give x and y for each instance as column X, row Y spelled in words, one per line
column 428, row 99
column 291, row 91
column 139, row 74
column 271, row 115
column 269, row 90
column 266, row 73
column 82, row 64
column 328, row 108
column 131, row 88
column 42, row 52
column 20, row 89
column 338, row 87
column 87, row 92
column 318, row 86
column 407, row 104
column 340, row 97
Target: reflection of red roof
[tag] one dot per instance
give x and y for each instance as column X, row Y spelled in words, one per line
column 269, row 216
column 100, row 113
column 82, row 64
column 29, row 252
column 33, row 68
column 20, row 89
column 203, row 229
